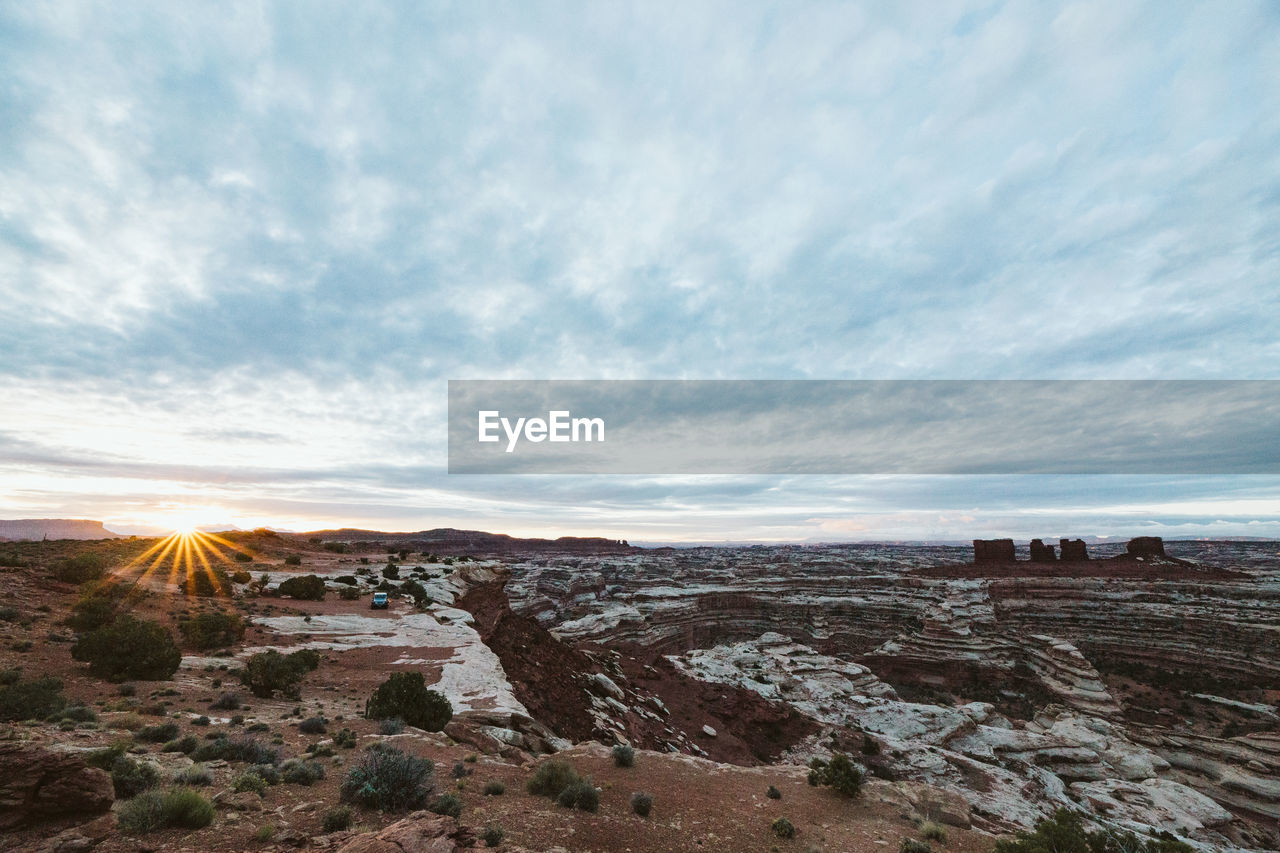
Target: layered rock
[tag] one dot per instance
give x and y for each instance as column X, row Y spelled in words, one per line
column 993, row 550
column 37, row 784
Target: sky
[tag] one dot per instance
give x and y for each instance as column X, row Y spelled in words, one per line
column 243, row 247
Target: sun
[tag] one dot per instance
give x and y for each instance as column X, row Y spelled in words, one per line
column 188, row 559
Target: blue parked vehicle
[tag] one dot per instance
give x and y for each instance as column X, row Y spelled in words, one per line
column 379, row 601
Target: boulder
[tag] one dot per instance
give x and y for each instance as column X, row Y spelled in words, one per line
column 420, row 832
column 37, row 784
column 993, row 550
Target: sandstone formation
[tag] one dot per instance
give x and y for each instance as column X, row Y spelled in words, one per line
column 993, row 550
column 1042, row 553
column 1145, row 546
column 1072, row 550
column 37, row 784
column 54, row 528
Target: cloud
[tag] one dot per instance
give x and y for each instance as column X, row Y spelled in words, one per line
column 303, row 219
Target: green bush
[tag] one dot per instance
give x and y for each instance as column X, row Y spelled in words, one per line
column 195, row 775
column 267, row 673
column 336, row 820
column 932, row 831
column 1065, row 833
column 154, row 810
column 624, row 756
column 841, row 774
column 783, row 828
column 405, row 695
column 773, row 793
column 551, row 777
column 492, row 835
column 212, row 630
column 129, row 649
column 80, row 568
column 391, row 726
column 641, row 803
column 313, row 726
column 242, row 557
column 293, row 560
column 448, row 805
column 345, row 739
column 130, row 778
column 31, row 699
column 213, row 582
column 158, row 733
column 304, row 587
column 236, row 749
column 389, row 780
column 297, row 772
column 910, row 845
column 349, row 593
column 106, row 756
column 581, row 794
column 186, row 745
column 249, row 781
column 91, row 612
column 494, row 788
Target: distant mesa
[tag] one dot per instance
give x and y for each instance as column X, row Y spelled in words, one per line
column 1145, row 546
column 993, row 551
column 448, row 540
column 54, row 528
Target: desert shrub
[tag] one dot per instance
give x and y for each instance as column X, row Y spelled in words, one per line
column 391, row 726
column 389, row 780
column 405, row 695
column 773, row 793
column 226, row 702
column 129, row 649
column 391, row 572
column 317, row 750
column 910, row 845
column 870, row 746
column 265, row 833
column 242, row 557
column 10, row 677
column 581, row 794
column 236, row 749
column 306, row 588
column 296, row 772
column 201, row 720
column 195, row 775
column 269, row 773
column 349, row 580
column 187, row 809
column 212, row 630
column 80, row 568
column 931, row 831
column 106, row 756
column 312, row 726
column 641, row 803
column 31, row 699
column 841, row 774
column 249, row 781
column 336, row 820
column 349, row 593
column 9, row 614
column 624, row 756
column 551, row 777
column 267, row 673
column 186, row 745
column 130, row 778
column 91, row 612
column 460, row 770
column 207, row 583
column 447, row 804
column 79, row 714
column 494, row 788
column 345, row 739
column 1065, row 833
column 492, row 835
column 293, row 560
column 158, row 733
column 783, row 828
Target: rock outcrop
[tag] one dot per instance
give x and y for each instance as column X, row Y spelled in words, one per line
column 1072, row 550
column 1042, row 553
column 37, row 784
column 1145, row 546
column 420, row 832
column 993, row 550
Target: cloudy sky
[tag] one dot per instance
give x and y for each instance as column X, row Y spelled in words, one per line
column 243, row 248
